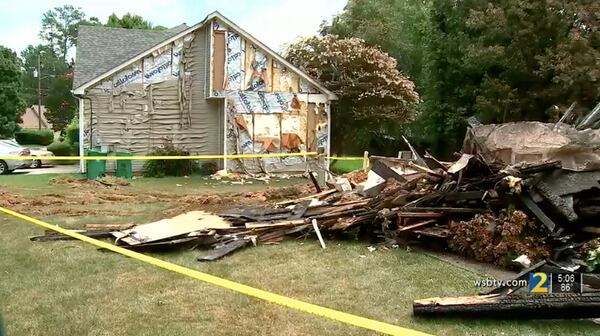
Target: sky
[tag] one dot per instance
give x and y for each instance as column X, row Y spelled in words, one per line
column 274, row 22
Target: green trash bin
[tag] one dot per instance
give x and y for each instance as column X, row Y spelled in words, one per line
column 95, row 168
column 124, row 168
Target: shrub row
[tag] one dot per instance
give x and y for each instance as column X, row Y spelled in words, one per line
column 42, row 137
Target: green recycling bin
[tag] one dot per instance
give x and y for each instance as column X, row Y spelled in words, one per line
column 95, row 168
column 124, row 168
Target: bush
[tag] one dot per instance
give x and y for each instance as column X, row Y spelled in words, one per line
column 207, row 168
column 61, row 148
column 72, row 131
column 161, row 168
column 42, row 137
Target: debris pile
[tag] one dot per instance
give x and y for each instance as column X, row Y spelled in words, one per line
column 491, row 205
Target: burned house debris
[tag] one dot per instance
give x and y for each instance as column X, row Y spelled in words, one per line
column 535, row 200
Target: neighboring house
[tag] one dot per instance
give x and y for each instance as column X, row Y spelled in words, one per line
column 31, row 118
column 210, row 88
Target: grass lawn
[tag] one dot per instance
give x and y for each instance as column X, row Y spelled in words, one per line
column 70, row 288
column 345, row 166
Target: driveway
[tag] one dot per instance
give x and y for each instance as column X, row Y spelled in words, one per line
column 58, row 169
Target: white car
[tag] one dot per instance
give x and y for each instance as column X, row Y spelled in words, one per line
column 10, row 147
column 43, row 154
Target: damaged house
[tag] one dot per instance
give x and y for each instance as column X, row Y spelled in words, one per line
column 210, row 88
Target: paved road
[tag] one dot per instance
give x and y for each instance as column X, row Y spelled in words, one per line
column 59, row 169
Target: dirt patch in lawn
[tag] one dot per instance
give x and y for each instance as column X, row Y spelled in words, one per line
column 91, row 198
column 74, row 182
column 8, row 199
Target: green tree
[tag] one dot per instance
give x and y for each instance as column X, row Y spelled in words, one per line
column 131, row 21
column 399, row 27
column 374, row 97
column 11, row 103
column 59, row 28
column 61, row 105
column 51, row 67
column 506, row 61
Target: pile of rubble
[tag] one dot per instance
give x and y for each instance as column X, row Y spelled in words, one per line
column 535, row 201
column 487, row 211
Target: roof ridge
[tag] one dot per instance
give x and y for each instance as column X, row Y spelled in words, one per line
column 168, row 30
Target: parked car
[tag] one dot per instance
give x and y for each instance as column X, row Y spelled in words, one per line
column 43, row 154
column 12, row 148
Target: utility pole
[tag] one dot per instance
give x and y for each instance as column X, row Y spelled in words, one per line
column 39, row 91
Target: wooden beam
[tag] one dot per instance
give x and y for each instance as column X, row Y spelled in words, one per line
column 564, row 306
column 416, row 226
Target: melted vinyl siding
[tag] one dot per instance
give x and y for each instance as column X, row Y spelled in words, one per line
column 137, row 119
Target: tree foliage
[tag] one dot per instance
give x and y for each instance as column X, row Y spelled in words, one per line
column 59, row 28
column 61, row 105
column 506, row 61
column 501, row 60
column 11, row 104
column 52, row 66
column 396, row 26
column 59, row 32
column 366, row 80
column 131, row 21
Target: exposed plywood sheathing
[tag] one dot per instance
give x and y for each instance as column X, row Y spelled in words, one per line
column 218, row 67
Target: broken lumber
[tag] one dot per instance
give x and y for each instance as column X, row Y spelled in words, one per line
column 315, row 196
column 108, row 227
column 386, row 172
column 53, row 236
column 535, row 209
column 416, row 226
column 564, row 306
column 224, row 250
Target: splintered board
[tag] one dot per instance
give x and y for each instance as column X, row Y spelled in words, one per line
column 172, row 227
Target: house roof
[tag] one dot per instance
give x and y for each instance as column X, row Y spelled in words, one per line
column 30, row 118
column 100, row 49
column 125, row 59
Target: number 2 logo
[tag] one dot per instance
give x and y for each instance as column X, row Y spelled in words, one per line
column 539, row 283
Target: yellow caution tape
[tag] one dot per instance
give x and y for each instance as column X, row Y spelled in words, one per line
column 143, row 157
column 329, row 313
column 348, row 158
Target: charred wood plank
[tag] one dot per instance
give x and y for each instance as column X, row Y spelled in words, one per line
column 537, row 212
column 224, row 250
column 381, row 169
column 262, row 225
column 433, row 232
column 169, row 245
column 315, row 196
column 445, row 210
column 416, row 226
column 300, row 210
column 314, row 182
column 60, row 236
column 551, row 165
column 564, row 306
column 108, row 227
column 464, row 195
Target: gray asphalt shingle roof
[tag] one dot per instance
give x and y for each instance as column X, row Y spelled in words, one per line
column 100, row 49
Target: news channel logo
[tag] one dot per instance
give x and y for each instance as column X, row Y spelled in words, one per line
column 555, row 283
column 539, row 283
